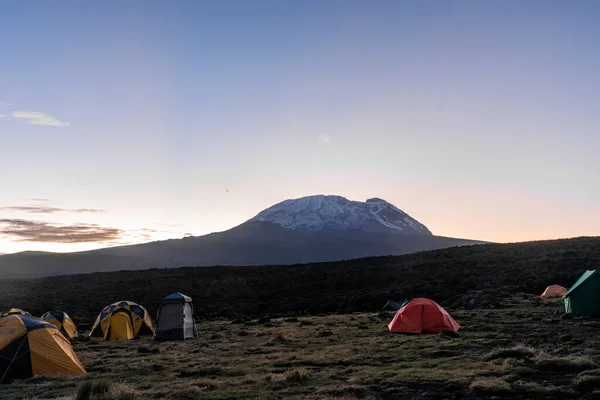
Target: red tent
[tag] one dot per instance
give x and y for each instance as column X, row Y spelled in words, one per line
column 422, row 315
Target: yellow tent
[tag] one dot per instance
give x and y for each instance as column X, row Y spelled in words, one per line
column 123, row 320
column 14, row 311
column 30, row 346
column 554, row 291
column 63, row 322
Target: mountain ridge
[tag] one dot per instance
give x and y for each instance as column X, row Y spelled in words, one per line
column 311, row 229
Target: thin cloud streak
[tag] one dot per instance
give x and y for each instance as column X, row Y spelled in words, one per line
column 21, row 230
column 37, row 118
column 49, row 210
column 38, row 200
column 33, row 231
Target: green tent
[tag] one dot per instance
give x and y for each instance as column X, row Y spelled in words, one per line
column 583, row 299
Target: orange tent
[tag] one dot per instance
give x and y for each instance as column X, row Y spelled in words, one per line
column 422, row 315
column 554, row 291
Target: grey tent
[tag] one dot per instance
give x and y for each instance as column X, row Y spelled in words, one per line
column 175, row 318
column 395, row 305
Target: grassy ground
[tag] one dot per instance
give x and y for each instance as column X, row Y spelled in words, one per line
column 525, row 348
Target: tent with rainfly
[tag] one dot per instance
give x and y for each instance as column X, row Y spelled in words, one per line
column 583, row 298
column 422, row 315
column 63, row 322
column 30, row 346
column 175, row 318
column 123, row 320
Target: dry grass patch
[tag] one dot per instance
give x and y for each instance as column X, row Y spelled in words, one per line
column 104, row 390
column 491, row 387
column 532, row 359
column 148, row 350
column 588, row 381
column 344, row 391
column 277, row 340
column 532, row 390
column 200, row 372
column 570, row 364
column 519, row 351
column 297, row 375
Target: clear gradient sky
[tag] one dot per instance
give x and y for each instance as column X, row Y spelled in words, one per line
column 129, row 121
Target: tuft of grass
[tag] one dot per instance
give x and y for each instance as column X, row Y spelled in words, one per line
column 324, row 334
column 568, row 364
column 277, row 340
column 343, row 397
column 587, row 383
column 519, row 351
column 562, row 351
column 297, row 375
column 200, row 372
column 532, row 390
column 119, row 391
column 101, row 387
column 345, row 391
column 158, row 367
column 206, row 384
column 104, row 390
column 85, row 391
column 148, row 350
column 491, row 387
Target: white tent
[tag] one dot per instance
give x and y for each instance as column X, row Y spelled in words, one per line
column 175, row 318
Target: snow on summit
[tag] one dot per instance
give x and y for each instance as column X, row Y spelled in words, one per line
column 337, row 212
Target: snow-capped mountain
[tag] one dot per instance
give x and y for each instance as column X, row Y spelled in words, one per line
column 337, row 212
column 310, row 229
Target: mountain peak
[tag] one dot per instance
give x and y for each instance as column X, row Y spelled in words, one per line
column 337, row 212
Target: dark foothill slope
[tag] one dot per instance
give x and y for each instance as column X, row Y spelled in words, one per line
column 458, row 276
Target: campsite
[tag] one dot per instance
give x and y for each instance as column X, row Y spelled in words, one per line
column 500, row 340
column 303, row 200
column 524, row 348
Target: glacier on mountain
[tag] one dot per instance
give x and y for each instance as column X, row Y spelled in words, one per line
column 337, row 212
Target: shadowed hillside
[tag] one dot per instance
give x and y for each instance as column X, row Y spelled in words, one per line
column 455, row 275
column 253, row 243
